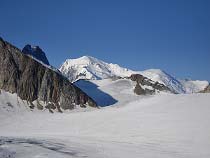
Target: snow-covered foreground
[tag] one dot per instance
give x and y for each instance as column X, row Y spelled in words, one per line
column 160, row 126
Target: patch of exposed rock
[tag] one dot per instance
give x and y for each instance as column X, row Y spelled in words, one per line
column 206, row 90
column 33, row 81
column 143, row 81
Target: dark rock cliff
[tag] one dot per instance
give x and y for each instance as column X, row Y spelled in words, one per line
column 36, row 52
column 33, row 81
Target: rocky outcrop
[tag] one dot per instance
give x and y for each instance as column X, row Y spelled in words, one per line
column 36, row 52
column 33, row 81
column 206, row 90
column 139, row 90
column 143, row 81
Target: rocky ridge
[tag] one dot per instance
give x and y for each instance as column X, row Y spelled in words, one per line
column 151, row 86
column 39, row 85
column 36, row 52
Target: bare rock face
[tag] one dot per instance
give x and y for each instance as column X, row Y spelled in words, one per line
column 32, row 81
column 36, row 52
column 139, row 90
column 141, row 80
column 206, row 90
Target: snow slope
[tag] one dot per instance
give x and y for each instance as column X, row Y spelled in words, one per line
column 160, row 126
column 108, row 92
column 87, row 67
column 11, row 103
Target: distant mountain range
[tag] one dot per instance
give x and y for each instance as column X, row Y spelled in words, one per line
column 87, row 67
column 29, row 75
column 90, row 68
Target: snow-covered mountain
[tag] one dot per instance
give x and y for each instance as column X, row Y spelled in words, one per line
column 88, row 67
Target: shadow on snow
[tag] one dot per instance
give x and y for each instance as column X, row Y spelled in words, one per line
column 102, row 98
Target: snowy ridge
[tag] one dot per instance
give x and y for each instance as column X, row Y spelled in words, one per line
column 87, row 67
column 194, row 86
column 164, row 78
column 90, row 68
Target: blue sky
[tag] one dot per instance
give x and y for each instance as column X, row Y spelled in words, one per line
column 173, row 35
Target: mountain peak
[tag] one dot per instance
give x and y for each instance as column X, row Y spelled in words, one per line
column 87, row 57
column 87, row 67
column 84, row 60
column 36, row 52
